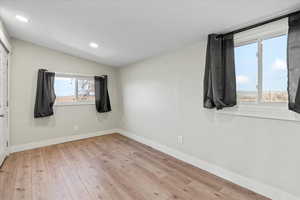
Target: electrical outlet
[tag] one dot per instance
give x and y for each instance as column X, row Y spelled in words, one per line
column 180, row 139
column 76, row 128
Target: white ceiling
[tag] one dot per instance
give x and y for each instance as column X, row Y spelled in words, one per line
column 131, row 30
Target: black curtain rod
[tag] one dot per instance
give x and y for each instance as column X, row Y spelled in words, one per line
column 260, row 23
column 74, row 74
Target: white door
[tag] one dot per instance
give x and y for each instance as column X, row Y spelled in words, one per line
column 3, row 103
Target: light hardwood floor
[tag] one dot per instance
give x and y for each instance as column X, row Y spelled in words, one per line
column 110, row 167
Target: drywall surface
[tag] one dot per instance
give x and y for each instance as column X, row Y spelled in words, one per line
column 162, row 99
column 26, row 59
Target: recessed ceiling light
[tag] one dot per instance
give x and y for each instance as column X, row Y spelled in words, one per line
column 22, row 19
column 94, row 45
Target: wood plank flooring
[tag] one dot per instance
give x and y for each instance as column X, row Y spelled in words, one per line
column 110, row 167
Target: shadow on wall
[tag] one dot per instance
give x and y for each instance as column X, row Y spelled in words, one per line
column 45, row 121
column 51, row 120
column 103, row 116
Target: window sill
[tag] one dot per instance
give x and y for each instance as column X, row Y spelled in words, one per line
column 275, row 112
column 73, row 104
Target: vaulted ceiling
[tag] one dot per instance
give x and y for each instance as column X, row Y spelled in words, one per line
column 132, row 30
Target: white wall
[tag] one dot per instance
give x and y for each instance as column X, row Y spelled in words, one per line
column 27, row 58
column 162, row 99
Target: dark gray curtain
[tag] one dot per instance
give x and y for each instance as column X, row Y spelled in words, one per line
column 293, row 62
column 219, row 77
column 101, row 94
column 45, row 95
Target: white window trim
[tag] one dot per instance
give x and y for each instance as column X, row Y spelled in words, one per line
column 77, row 103
column 276, row 111
column 77, row 76
column 267, row 31
column 262, row 111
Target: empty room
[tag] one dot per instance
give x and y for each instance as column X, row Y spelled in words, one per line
column 149, row 100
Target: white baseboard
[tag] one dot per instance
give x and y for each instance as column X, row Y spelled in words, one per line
column 33, row 145
column 253, row 185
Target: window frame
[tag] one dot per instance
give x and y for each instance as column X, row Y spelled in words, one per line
column 262, row 110
column 258, row 35
column 76, row 77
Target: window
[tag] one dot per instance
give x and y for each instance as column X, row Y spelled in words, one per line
column 74, row 90
column 246, row 72
column 261, row 70
column 274, row 80
column 261, row 73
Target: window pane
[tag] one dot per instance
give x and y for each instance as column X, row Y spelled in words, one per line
column 275, row 70
column 64, row 89
column 246, row 72
column 86, row 90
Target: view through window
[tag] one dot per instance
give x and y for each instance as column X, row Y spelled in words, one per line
column 74, row 89
column 261, row 75
column 246, row 72
column 275, row 70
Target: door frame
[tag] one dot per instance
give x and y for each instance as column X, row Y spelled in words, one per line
column 7, row 132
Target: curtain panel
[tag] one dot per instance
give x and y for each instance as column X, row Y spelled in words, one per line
column 293, row 63
column 219, row 77
column 45, row 95
column 101, row 94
